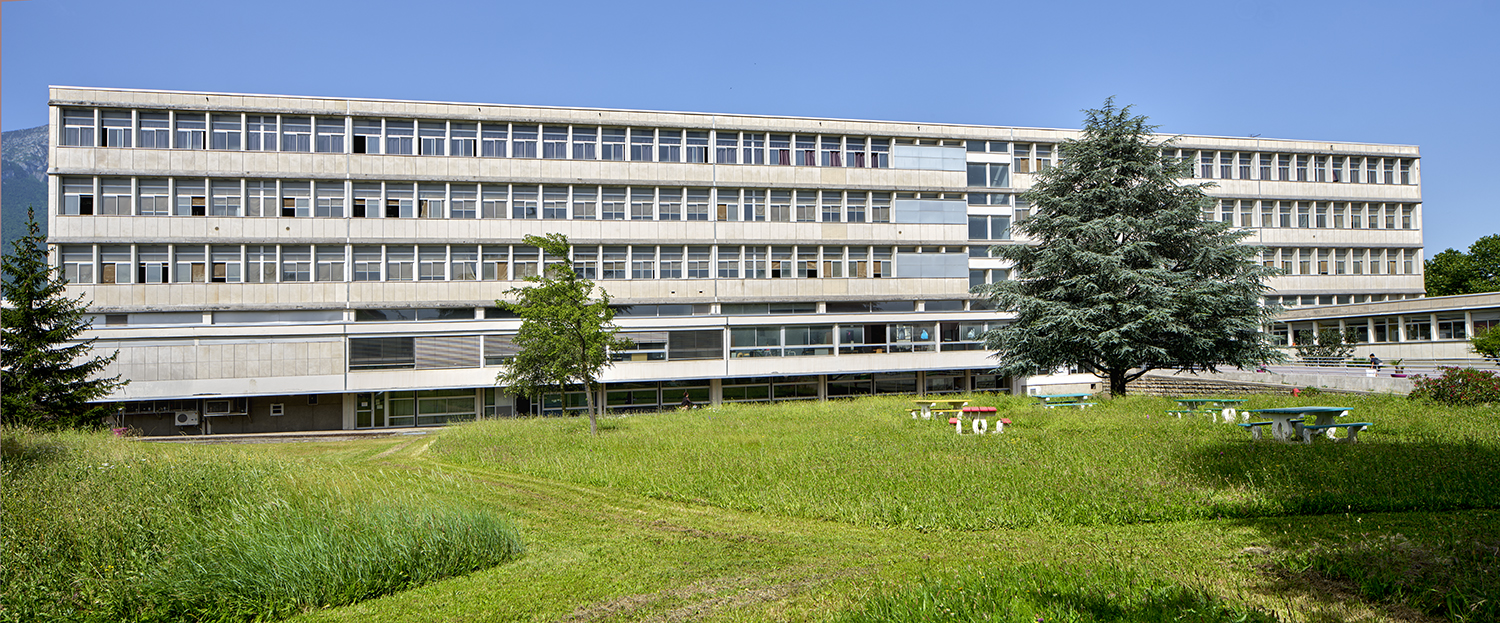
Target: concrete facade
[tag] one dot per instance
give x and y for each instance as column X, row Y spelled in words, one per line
column 265, row 246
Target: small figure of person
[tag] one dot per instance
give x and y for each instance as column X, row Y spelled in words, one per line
column 687, row 401
column 1374, row 362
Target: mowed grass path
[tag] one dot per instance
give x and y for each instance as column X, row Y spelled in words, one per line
column 811, row 511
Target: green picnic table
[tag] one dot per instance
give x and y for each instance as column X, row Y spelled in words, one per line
column 1063, row 400
column 1209, row 406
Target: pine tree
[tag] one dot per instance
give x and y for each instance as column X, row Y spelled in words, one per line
column 566, row 333
column 1126, row 276
column 43, row 386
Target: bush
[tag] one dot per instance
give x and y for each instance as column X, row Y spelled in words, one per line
column 1459, row 386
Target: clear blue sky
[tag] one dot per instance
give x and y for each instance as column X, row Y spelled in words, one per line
column 1421, row 73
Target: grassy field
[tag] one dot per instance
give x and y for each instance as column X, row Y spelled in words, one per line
column 852, row 511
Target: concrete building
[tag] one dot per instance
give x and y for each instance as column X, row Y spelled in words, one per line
column 282, row 263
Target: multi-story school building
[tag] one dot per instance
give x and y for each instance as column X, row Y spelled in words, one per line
column 287, row 263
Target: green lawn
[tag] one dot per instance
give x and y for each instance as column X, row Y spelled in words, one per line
column 852, row 511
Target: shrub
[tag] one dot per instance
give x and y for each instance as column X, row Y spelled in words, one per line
column 1459, row 386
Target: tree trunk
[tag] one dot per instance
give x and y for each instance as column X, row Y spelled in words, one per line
column 1117, row 382
column 588, row 399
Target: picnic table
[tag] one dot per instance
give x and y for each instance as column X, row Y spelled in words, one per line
column 927, row 406
column 1209, row 407
column 1063, row 400
column 1287, row 423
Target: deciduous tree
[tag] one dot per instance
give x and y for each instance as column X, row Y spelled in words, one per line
column 48, row 376
column 1455, row 272
column 1125, row 275
column 566, row 334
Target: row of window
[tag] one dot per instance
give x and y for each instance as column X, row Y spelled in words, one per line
column 1294, row 261
column 358, row 135
column 198, row 263
column 1315, row 214
column 1307, row 300
column 335, row 199
column 1239, row 165
column 1381, row 329
column 472, row 351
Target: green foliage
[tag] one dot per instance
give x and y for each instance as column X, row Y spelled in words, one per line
column 1456, row 576
column 103, row 529
column 865, row 462
column 1127, row 276
column 1070, row 594
column 566, row 334
column 43, row 385
column 1487, row 343
column 1459, row 386
column 1330, row 348
column 1454, row 272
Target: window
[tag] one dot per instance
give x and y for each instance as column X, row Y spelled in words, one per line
column 296, row 134
column 432, row 263
column 226, row 133
column 641, row 143
column 191, row 198
column 492, row 139
column 493, row 201
column 1406, row 171
column 1302, row 168
column 1338, row 169
column 729, row 262
column 367, row 260
column 1418, row 328
column 523, row 203
column 399, row 136
column 114, row 196
column 781, row 206
column 1284, row 167
column 494, row 262
column 554, row 202
column 295, row 200
column 833, row 206
column 1022, row 158
column 155, row 133
column 1390, row 170
column 330, row 265
column 642, row 204
column 78, row 196
column 261, row 264
column 1043, row 157
column 78, row 128
column 697, row 146
column 224, row 264
column 807, row 262
column 754, row 204
column 330, row 138
column 400, row 263
column 807, row 150
column 585, row 143
column 1206, row 158
column 755, row 262
column 1321, row 170
column 854, row 152
column 807, row 206
column 462, row 138
column 1406, row 216
column 1371, row 170
column 463, row 201
column 119, row 127
column 671, row 262
column 192, row 130
column 585, row 202
column 225, row 199
column 555, row 142
column 1265, row 167
column 832, row 151
column 296, row 263
column 329, row 200
column 114, row 264
column 643, row 262
column 366, row 136
column 669, row 146
column 700, row 265
column 398, row 201
column 77, row 263
column 1320, row 215
column 854, row 211
column 586, row 262
column 697, row 204
column 151, row 265
column 612, row 144
column 612, row 204
column 1451, row 327
column 880, row 208
column 613, row 262
column 670, row 205
column 833, row 262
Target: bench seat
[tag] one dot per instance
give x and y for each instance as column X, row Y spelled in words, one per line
column 1353, row 436
column 978, row 409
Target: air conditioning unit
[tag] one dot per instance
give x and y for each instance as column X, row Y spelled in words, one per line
column 187, row 418
column 226, row 406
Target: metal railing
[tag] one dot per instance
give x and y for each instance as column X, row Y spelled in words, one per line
column 1356, row 366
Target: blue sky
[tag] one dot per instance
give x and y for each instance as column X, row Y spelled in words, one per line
column 1424, row 73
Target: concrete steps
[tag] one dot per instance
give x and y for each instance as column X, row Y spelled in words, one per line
column 1186, row 385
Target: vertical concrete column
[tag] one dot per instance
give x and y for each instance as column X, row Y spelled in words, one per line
column 348, row 401
column 716, row 391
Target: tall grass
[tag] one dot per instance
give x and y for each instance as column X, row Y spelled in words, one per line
column 102, row 529
column 1046, row 594
column 867, row 462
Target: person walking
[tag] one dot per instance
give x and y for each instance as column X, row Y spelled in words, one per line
column 1374, row 362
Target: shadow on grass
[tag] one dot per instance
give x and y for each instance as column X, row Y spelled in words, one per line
column 1268, row 478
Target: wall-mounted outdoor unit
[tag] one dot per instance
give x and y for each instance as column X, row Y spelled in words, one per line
column 226, row 406
column 187, row 418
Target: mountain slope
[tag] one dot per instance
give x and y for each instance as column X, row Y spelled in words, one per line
column 23, row 180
